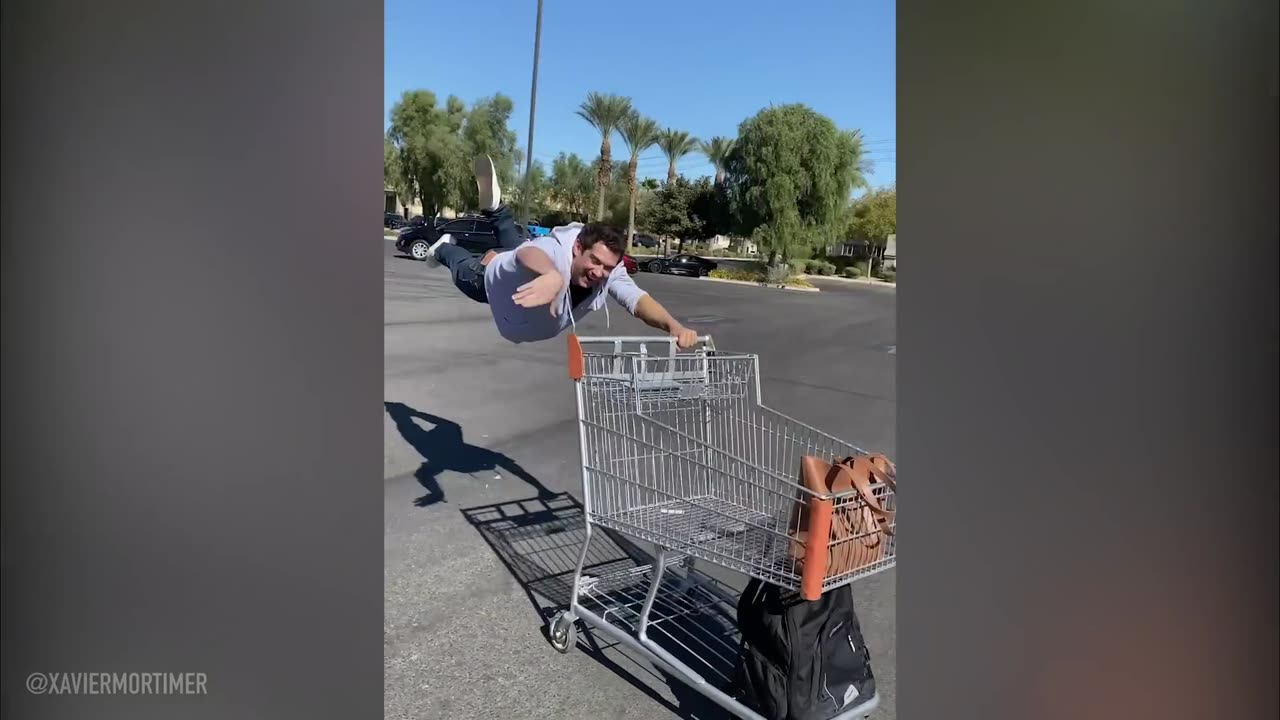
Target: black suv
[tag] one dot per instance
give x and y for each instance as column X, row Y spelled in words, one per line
column 471, row 232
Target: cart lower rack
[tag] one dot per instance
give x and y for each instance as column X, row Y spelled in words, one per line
column 678, row 450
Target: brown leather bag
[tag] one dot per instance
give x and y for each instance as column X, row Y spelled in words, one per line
column 840, row 539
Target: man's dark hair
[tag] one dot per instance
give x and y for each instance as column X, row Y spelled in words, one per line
column 608, row 235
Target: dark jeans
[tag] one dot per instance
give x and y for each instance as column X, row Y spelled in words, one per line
column 467, row 270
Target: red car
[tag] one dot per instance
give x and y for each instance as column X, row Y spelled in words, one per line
column 630, row 264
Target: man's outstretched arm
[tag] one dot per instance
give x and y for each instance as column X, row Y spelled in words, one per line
column 535, row 259
column 544, row 289
column 656, row 316
column 640, row 304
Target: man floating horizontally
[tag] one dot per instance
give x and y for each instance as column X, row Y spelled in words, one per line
column 568, row 272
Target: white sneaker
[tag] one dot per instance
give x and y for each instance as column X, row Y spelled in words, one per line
column 487, row 182
column 430, row 259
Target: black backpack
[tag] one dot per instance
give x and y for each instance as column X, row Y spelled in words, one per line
column 800, row 660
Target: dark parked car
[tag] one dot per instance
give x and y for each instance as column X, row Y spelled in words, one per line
column 681, row 265
column 645, row 241
column 474, row 233
column 393, row 221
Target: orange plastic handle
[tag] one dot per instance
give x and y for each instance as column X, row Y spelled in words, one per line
column 816, row 548
column 577, row 365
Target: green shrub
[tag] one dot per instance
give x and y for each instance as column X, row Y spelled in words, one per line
column 813, row 267
column 778, row 274
column 827, row 269
column 852, row 272
column 889, row 276
column 735, row 274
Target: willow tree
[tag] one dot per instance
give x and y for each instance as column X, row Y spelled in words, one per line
column 789, row 177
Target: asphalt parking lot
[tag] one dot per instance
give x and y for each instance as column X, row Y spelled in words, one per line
column 481, row 457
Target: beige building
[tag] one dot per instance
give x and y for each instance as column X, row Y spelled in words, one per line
column 391, row 204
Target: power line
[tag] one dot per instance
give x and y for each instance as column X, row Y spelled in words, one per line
column 696, row 161
column 652, row 155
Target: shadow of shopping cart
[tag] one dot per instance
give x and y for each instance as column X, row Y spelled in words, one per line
column 540, row 539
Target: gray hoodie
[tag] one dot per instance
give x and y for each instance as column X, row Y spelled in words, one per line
column 503, row 275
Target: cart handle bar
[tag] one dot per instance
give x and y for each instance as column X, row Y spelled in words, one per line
column 577, row 364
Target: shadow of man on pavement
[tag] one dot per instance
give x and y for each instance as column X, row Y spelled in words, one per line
column 444, row 449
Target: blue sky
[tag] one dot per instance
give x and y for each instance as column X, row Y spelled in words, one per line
column 725, row 60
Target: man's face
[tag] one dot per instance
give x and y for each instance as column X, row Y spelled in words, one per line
column 591, row 266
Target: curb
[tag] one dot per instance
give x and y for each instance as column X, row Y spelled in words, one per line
column 860, row 281
column 761, row 285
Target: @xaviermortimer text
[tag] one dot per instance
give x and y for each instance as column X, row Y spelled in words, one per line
column 117, row 683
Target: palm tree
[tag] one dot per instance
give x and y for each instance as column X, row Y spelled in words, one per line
column 675, row 144
column 717, row 149
column 604, row 112
column 639, row 133
column 862, row 165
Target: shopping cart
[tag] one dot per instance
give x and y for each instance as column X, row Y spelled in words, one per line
column 678, row 450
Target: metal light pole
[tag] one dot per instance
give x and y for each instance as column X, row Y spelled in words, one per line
column 533, row 104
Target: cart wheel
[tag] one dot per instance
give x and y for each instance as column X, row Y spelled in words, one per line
column 563, row 632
